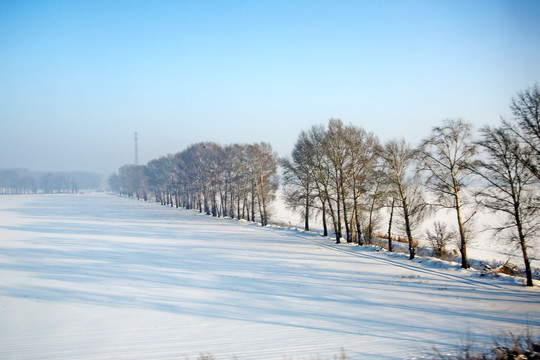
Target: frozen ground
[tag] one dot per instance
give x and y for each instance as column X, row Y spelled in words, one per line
column 98, row 276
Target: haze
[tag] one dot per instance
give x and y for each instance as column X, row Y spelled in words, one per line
column 77, row 79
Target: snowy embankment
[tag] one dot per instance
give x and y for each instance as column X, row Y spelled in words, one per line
column 484, row 246
column 98, row 276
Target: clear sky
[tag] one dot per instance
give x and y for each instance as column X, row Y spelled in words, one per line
column 78, row 78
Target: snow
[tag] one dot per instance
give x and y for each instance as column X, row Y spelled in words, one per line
column 98, row 276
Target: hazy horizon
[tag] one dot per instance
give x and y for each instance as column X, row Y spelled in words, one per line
column 77, row 79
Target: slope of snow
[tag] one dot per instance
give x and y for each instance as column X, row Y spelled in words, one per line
column 98, row 276
column 483, row 244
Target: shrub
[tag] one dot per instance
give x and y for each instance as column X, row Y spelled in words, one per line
column 439, row 239
column 505, row 347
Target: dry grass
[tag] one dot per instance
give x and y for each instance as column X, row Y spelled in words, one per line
column 401, row 239
column 341, row 356
column 505, row 347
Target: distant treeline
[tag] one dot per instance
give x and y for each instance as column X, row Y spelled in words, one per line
column 22, row 181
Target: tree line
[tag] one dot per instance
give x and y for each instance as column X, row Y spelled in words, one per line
column 345, row 173
column 345, row 176
column 22, row 181
column 237, row 181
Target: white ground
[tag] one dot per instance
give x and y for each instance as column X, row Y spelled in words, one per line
column 98, row 276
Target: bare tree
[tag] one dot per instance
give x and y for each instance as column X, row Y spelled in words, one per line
column 298, row 182
column 114, row 183
column 263, row 162
column 332, row 170
column 156, row 177
column 240, row 181
column 362, row 182
column 229, row 174
column 131, row 179
column 509, row 187
column 526, row 126
column 445, row 156
column 336, row 157
column 399, row 158
column 439, row 238
column 318, row 167
column 375, row 195
column 390, row 220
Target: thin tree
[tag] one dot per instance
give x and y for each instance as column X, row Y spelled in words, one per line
column 298, row 184
column 398, row 158
column 526, row 126
column 336, row 157
column 446, row 156
column 361, row 179
column 319, row 171
column 114, row 182
column 375, row 195
column 392, row 206
column 509, row 187
column 263, row 163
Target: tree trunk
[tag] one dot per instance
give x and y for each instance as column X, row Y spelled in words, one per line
column 245, row 207
column 306, row 215
column 261, row 212
column 357, row 217
column 337, row 222
column 232, row 205
column 223, row 204
column 264, row 214
column 325, row 227
column 462, row 236
column 238, row 215
column 412, row 245
column 390, row 245
column 345, row 219
column 359, row 229
column 371, row 212
column 528, row 271
column 253, row 204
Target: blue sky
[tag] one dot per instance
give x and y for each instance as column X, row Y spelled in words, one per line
column 78, row 78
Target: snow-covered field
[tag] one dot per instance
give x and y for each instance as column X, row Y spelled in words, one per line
column 98, row 276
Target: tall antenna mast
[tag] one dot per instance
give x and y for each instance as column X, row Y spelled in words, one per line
column 136, row 150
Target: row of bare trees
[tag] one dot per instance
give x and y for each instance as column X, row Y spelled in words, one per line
column 22, row 181
column 236, row 180
column 11, row 182
column 352, row 182
column 344, row 174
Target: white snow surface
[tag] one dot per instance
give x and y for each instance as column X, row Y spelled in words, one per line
column 91, row 276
